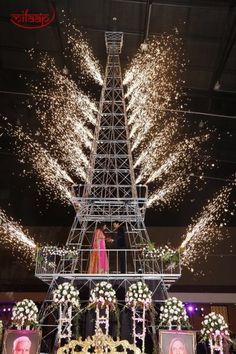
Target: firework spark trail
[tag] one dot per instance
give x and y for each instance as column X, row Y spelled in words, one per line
column 173, row 174
column 172, row 190
column 160, row 143
column 63, row 91
column 68, row 118
column 183, row 153
column 204, row 232
column 152, row 85
column 14, row 238
column 162, row 149
column 51, row 176
column 81, row 53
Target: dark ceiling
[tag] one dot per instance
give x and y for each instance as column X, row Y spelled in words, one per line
column 208, row 29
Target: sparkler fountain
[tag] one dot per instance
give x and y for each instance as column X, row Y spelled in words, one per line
column 109, row 194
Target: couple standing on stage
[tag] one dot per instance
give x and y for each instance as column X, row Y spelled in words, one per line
column 99, row 263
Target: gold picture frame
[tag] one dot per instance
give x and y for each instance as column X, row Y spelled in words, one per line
column 27, row 341
column 174, row 341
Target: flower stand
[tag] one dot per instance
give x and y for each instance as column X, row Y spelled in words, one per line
column 139, row 299
column 65, row 297
column 215, row 330
column 103, row 298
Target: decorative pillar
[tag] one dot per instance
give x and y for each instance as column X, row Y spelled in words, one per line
column 102, row 318
column 139, row 318
column 64, row 322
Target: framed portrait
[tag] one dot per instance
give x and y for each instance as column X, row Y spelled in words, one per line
column 177, row 342
column 21, row 341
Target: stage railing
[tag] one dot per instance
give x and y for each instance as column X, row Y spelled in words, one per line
column 128, row 262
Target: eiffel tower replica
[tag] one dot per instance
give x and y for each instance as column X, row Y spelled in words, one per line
column 110, row 194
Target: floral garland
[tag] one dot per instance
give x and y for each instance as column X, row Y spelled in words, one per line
column 25, row 313
column 67, row 294
column 138, row 295
column 173, row 313
column 103, row 295
column 59, row 251
column 214, row 325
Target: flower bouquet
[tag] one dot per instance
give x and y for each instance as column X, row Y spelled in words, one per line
column 164, row 253
column 214, row 329
column 103, row 295
column 150, row 251
column 66, row 294
column 173, row 313
column 139, row 295
column 168, row 254
column 25, row 313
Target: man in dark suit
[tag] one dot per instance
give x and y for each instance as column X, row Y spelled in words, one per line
column 120, row 243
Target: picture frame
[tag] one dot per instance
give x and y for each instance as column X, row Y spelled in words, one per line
column 174, row 341
column 21, row 341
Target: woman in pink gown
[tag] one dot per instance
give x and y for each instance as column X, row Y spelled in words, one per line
column 98, row 263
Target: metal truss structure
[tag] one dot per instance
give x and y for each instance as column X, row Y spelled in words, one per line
column 110, row 194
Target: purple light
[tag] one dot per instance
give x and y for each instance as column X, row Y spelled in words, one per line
column 190, row 308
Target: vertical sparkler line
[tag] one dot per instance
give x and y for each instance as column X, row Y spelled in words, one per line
column 207, row 229
column 51, row 176
column 15, row 239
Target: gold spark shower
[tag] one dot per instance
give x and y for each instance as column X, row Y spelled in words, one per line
column 153, row 85
column 207, row 229
column 164, row 154
column 67, row 117
column 13, row 237
column 80, row 53
column 51, row 177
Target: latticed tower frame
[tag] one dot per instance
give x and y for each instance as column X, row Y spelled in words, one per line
column 109, row 194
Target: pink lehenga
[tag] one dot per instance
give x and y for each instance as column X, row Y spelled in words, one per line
column 98, row 263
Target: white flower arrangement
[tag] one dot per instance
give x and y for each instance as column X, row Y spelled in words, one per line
column 25, row 313
column 214, row 325
column 163, row 252
column 66, row 251
column 103, row 295
column 138, row 295
column 66, row 294
column 173, row 313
